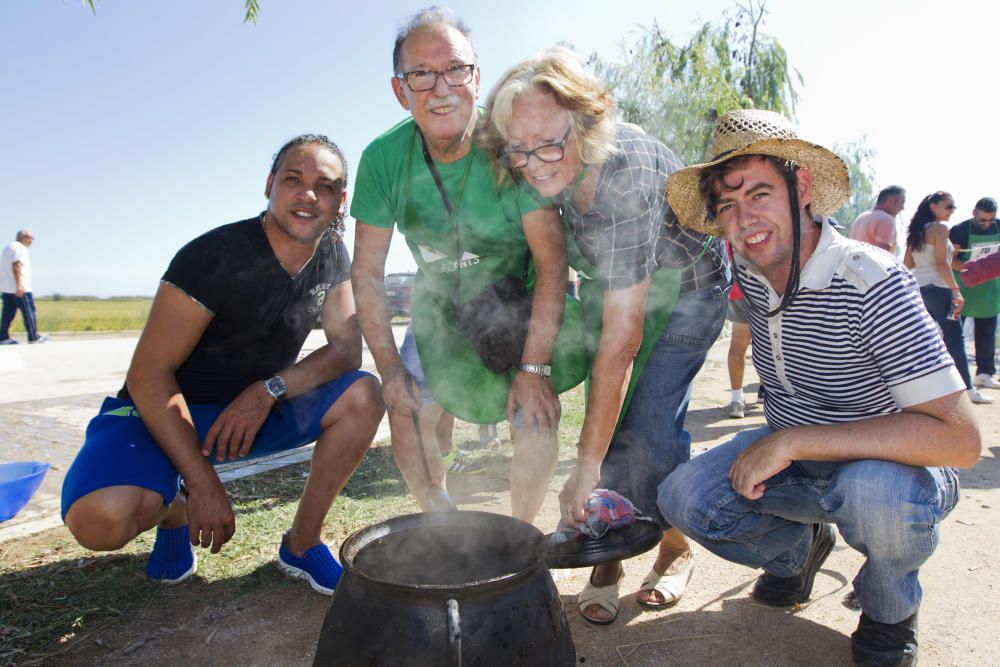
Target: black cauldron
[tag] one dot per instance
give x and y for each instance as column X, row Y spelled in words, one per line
column 452, row 588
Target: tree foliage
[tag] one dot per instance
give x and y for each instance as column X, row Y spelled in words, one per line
column 858, row 156
column 252, row 8
column 676, row 92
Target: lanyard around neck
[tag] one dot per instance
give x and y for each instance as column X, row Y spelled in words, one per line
column 437, row 176
column 452, row 216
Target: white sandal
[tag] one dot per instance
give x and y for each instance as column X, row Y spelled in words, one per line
column 606, row 597
column 671, row 586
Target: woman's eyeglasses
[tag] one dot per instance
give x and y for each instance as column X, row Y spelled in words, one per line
column 515, row 159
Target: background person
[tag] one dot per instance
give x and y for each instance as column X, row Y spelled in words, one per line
column 214, row 376
column 854, row 369
column 654, row 304
column 15, row 284
column 928, row 255
column 980, row 236
column 400, row 184
column 878, row 226
column 739, row 343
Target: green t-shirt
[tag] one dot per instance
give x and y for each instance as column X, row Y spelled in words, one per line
column 395, row 187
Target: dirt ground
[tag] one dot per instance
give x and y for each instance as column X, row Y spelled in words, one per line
column 716, row 623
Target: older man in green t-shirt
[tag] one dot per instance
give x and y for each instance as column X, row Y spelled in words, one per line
column 426, row 177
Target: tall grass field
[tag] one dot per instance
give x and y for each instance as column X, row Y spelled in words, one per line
column 83, row 314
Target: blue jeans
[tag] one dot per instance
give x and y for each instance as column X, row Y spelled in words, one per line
column 11, row 304
column 651, row 440
column 888, row 511
column 937, row 301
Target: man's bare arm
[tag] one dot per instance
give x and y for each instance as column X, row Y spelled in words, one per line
column 233, row 433
column 371, row 246
column 18, row 285
column 940, row 432
column 175, row 325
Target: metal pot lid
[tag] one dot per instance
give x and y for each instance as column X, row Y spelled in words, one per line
column 617, row 544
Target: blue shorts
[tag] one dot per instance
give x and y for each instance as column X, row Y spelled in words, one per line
column 118, row 450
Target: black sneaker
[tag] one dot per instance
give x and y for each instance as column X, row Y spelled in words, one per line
column 876, row 644
column 786, row 591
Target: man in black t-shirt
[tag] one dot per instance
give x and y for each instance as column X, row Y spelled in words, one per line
column 975, row 238
column 214, row 377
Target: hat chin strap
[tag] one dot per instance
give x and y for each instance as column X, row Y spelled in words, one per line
column 792, row 286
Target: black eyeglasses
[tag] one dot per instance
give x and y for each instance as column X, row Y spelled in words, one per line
column 422, row 80
column 546, row 153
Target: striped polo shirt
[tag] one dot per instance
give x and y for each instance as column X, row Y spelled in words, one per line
column 855, row 341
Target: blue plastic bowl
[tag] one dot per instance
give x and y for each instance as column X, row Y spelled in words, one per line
column 18, row 482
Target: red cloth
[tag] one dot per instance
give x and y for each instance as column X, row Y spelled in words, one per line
column 735, row 293
column 978, row 271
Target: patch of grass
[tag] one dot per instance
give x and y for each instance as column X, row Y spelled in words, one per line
column 57, row 597
column 54, row 593
column 83, row 314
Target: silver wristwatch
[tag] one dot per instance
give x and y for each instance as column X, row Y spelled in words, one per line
column 276, row 387
column 545, row 370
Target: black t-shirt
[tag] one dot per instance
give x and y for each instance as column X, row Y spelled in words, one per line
column 261, row 315
column 959, row 236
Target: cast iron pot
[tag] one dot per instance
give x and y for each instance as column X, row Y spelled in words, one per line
column 452, row 588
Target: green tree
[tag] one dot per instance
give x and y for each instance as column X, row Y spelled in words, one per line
column 676, row 92
column 252, row 9
column 858, row 156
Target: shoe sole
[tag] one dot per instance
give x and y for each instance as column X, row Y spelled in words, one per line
column 820, row 558
column 811, row 568
column 479, row 471
column 299, row 573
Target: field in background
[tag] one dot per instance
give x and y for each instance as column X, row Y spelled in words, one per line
column 83, row 314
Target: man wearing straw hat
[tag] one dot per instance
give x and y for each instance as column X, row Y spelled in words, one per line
column 866, row 414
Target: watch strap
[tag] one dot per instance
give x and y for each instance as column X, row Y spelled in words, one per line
column 545, row 370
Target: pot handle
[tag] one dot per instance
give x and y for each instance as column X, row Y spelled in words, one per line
column 454, row 633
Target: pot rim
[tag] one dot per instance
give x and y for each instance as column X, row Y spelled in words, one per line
column 362, row 537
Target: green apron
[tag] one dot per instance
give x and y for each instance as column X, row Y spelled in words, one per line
column 457, row 378
column 664, row 290
column 982, row 300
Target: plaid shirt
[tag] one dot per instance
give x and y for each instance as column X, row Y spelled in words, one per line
column 630, row 230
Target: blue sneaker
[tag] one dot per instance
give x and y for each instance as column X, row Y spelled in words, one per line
column 172, row 560
column 317, row 566
column 40, row 339
column 8, row 341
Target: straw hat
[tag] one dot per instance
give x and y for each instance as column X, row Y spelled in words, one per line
column 757, row 132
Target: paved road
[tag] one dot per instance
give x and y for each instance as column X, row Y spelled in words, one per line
column 49, row 392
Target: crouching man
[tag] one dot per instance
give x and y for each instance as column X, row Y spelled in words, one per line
column 866, row 413
column 214, row 378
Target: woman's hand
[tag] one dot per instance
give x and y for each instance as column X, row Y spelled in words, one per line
column 957, row 300
column 577, row 490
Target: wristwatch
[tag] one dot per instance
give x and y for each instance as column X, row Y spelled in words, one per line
column 276, row 387
column 545, row 370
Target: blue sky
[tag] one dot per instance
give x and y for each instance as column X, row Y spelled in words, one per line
column 127, row 133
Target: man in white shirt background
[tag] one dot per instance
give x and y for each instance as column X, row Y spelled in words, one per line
column 15, row 284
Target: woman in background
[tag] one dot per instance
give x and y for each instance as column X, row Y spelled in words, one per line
column 928, row 256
